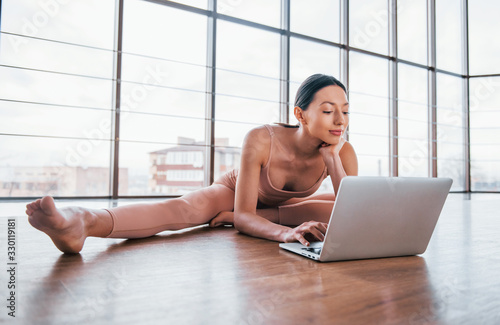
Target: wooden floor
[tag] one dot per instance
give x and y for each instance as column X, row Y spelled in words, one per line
column 218, row 276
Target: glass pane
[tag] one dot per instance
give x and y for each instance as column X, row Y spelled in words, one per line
column 247, row 86
column 416, row 164
column 163, row 101
column 412, row 30
column 368, row 116
column 45, row 120
column 308, row 58
column 485, row 133
column 484, row 176
column 66, row 21
column 373, row 165
column 368, row 75
column 326, row 15
column 149, row 36
column 55, row 89
column 234, row 109
column 368, row 25
column 194, row 3
column 488, row 139
column 56, row 57
column 159, row 169
column 413, row 146
column 266, row 12
column 233, row 132
column 163, row 87
column 484, row 54
column 161, row 129
column 369, row 108
column 484, row 94
column 177, row 75
column 246, row 49
column 450, row 129
column 453, row 169
column 50, row 166
column 449, row 35
column 412, row 84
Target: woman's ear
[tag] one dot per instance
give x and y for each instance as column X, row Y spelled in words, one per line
column 299, row 114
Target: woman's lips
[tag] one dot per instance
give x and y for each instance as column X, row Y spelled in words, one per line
column 336, row 132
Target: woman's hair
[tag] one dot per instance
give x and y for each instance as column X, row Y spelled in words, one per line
column 311, row 86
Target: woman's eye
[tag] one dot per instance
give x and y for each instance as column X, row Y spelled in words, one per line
column 327, row 112
column 346, row 113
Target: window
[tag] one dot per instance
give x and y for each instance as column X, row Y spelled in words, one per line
column 483, row 52
column 369, row 113
column 413, row 125
column 449, row 47
column 247, row 86
column 326, row 16
column 450, row 130
column 412, row 30
column 194, row 79
column 369, row 25
column 56, row 68
column 163, row 89
column 485, row 133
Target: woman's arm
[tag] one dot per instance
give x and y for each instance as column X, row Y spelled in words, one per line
column 340, row 161
column 254, row 155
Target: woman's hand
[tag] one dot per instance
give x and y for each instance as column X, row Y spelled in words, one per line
column 315, row 228
column 327, row 150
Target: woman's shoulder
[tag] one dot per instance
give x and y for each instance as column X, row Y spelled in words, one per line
column 262, row 132
column 257, row 143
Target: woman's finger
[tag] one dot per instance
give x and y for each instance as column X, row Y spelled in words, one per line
column 317, row 234
column 323, row 227
column 301, row 239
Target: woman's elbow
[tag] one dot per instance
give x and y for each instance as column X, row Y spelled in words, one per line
column 238, row 222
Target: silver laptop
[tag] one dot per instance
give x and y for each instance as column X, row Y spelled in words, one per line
column 379, row 217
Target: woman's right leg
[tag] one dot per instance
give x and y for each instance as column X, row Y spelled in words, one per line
column 193, row 209
column 69, row 227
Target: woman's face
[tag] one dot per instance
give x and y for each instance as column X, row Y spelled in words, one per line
column 327, row 116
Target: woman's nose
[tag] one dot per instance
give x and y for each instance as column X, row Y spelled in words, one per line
column 339, row 118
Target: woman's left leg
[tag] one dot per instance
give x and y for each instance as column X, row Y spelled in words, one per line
column 314, row 208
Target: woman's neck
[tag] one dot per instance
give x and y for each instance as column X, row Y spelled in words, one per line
column 303, row 144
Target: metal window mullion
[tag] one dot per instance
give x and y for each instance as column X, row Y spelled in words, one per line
column 117, row 76
column 466, row 92
column 209, row 169
column 393, row 89
column 432, row 97
column 285, row 62
column 344, row 49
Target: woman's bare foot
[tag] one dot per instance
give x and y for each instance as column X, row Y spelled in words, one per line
column 67, row 227
column 223, row 218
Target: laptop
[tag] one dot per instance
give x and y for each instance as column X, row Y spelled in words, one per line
column 376, row 217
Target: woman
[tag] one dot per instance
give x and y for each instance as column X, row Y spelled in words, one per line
column 271, row 194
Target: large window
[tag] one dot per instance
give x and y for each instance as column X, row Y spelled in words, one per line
column 369, row 113
column 413, row 121
column 155, row 97
column 56, row 85
column 485, row 133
